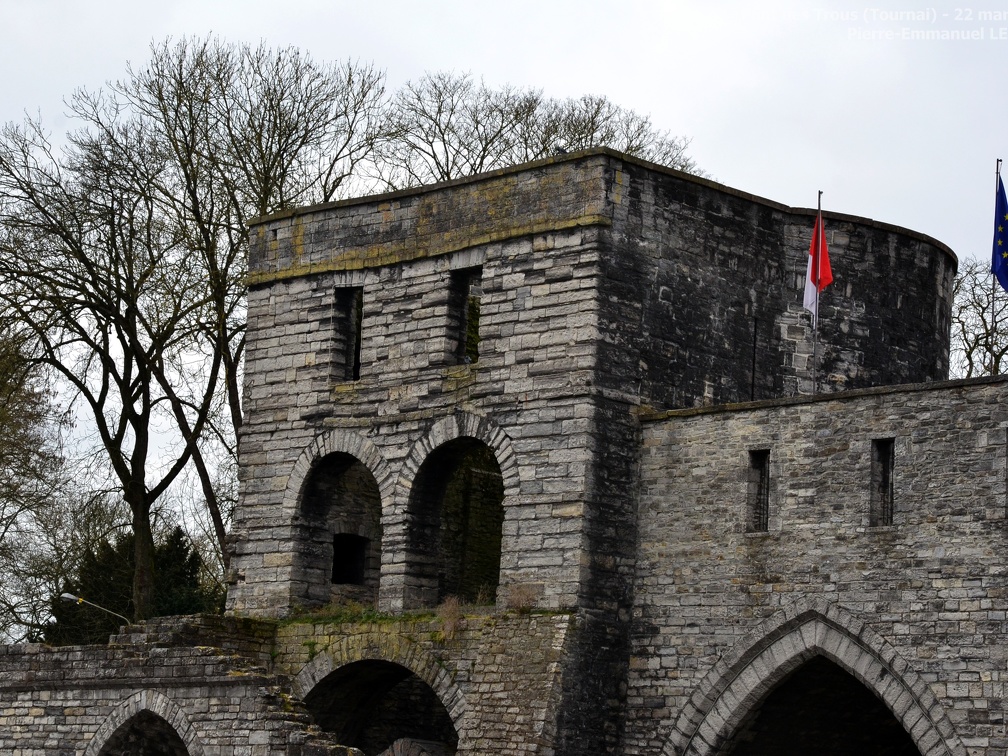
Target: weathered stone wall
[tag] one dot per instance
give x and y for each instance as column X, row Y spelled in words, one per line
column 523, row 399
column 234, row 687
column 608, row 290
column 706, row 275
column 83, row 699
column 914, row 610
column 499, row 676
column 605, row 284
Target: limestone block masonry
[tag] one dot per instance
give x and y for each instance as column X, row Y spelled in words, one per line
column 915, row 609
column 542, row 462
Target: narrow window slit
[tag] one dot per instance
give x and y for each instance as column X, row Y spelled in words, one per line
column 464, row 314
column 882, row 465
column 759, row 490
column 348, row 316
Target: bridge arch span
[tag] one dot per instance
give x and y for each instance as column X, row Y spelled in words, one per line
column 375, row 689
column 743, row 677
column 147, row 708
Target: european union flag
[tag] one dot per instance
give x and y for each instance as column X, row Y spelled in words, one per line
column 999, row 264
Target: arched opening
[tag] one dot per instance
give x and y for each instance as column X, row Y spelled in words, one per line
column 729, row 697
column 145, row 734
column 456, row 514
column 382, row 707
column 341, row 548
column 819, row 708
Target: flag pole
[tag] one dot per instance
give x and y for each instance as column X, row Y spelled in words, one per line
column 994, row 281
column 817, row 229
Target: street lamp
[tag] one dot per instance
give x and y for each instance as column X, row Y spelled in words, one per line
column 71, row 599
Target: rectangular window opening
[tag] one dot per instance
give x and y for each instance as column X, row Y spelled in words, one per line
column 349, row 556
column 464, row 314
column 759, row 490
column 882, row 465
column 347, row 324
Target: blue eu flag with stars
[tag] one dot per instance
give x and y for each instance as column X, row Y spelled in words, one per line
column 999, row 265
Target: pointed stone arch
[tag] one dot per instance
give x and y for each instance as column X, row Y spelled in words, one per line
column 146, row 701
column 742, row 677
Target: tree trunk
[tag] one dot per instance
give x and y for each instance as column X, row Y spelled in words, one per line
column 143, row 553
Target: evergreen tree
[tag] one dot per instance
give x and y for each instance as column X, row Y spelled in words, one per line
column 105, row 578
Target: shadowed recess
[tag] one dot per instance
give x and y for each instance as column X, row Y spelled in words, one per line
column 145, row 734
column 341, row 510
column 820, row 709
column 371, row 704
column 457, row 515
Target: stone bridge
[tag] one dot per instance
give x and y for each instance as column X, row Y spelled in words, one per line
column 549, row 461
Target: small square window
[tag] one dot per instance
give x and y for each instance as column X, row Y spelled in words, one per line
column 349, row 557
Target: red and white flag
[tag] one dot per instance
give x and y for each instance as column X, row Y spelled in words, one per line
column 819, row 274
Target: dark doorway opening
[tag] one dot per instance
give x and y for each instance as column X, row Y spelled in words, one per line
column 340, row 554
column 372, row 704
column 456, row 516
column 819, row 708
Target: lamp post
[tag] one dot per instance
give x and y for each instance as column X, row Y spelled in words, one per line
column 71, row 599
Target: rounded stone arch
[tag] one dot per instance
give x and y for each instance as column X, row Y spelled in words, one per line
column 337, row 441
column 451, row 504
column 335, row 499
column 138, row 704
column 388, row 648
column 778, row 646
column 460, row 425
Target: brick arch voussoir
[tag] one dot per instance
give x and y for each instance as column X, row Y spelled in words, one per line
column 764, row 657
column 460, row 425
column 390, row 647
column 156, row 703
column 338, row 440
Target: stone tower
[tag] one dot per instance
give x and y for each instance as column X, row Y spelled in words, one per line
column 533, row 463
column 444, row 385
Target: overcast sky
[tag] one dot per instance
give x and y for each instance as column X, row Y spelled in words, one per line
column 780, row 98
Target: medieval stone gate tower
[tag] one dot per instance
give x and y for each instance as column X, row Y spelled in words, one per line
column 577, row 396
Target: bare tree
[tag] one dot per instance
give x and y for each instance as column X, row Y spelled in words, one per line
column 125, row 256
column 28, row 457
column 45, row 523
column 593, row 121
column 102, row 283
column 979, row 327
column 447, row 125
column 42, row 551
column 30, row 466
column 249, row 131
